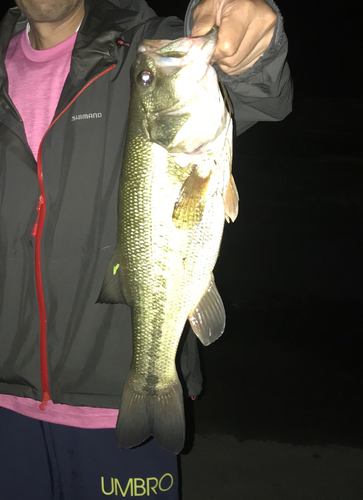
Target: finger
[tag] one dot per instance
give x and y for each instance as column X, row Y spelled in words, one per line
column 232, row 31
column 251, row 49
column 244, row 34
column 204, row 18
column 239, row 68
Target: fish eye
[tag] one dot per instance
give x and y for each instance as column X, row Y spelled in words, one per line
column 145, row 78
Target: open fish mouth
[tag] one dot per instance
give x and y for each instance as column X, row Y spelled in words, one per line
column 190, row 48
column 171, row 57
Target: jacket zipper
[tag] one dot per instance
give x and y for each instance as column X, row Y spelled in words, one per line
column 37, row 234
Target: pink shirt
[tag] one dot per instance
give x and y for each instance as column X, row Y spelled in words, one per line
column 36, row 79
column 40, row 74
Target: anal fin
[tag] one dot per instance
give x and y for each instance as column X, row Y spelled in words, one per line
column 111, row 292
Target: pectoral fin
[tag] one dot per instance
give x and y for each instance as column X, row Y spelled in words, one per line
column 189, row 207
column 111, row 292
column 208, row 319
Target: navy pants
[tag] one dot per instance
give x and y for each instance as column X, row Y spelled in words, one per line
column 46, row 461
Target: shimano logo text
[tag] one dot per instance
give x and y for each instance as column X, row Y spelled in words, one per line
column 86, row 116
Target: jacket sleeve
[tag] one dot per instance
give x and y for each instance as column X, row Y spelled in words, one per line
column 264, row 91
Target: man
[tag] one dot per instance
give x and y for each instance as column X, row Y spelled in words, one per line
column 64, row 77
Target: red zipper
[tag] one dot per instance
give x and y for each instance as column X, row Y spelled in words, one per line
column 37, row 234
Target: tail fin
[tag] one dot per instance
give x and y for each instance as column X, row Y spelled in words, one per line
column 161, row 415
column 169, row 421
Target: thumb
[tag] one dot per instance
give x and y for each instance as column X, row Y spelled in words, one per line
column 203, row 21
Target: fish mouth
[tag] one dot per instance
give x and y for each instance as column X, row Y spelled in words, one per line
column 182, row 51
column 191, row 51
column 192, row 45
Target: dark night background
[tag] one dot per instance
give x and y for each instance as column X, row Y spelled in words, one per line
column 289, row 365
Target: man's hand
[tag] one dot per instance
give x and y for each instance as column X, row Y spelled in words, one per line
column 245, row 31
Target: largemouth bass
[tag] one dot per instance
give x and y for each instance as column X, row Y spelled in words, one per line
column 176, row 189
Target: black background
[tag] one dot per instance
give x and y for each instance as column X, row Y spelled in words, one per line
column 289, row 365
